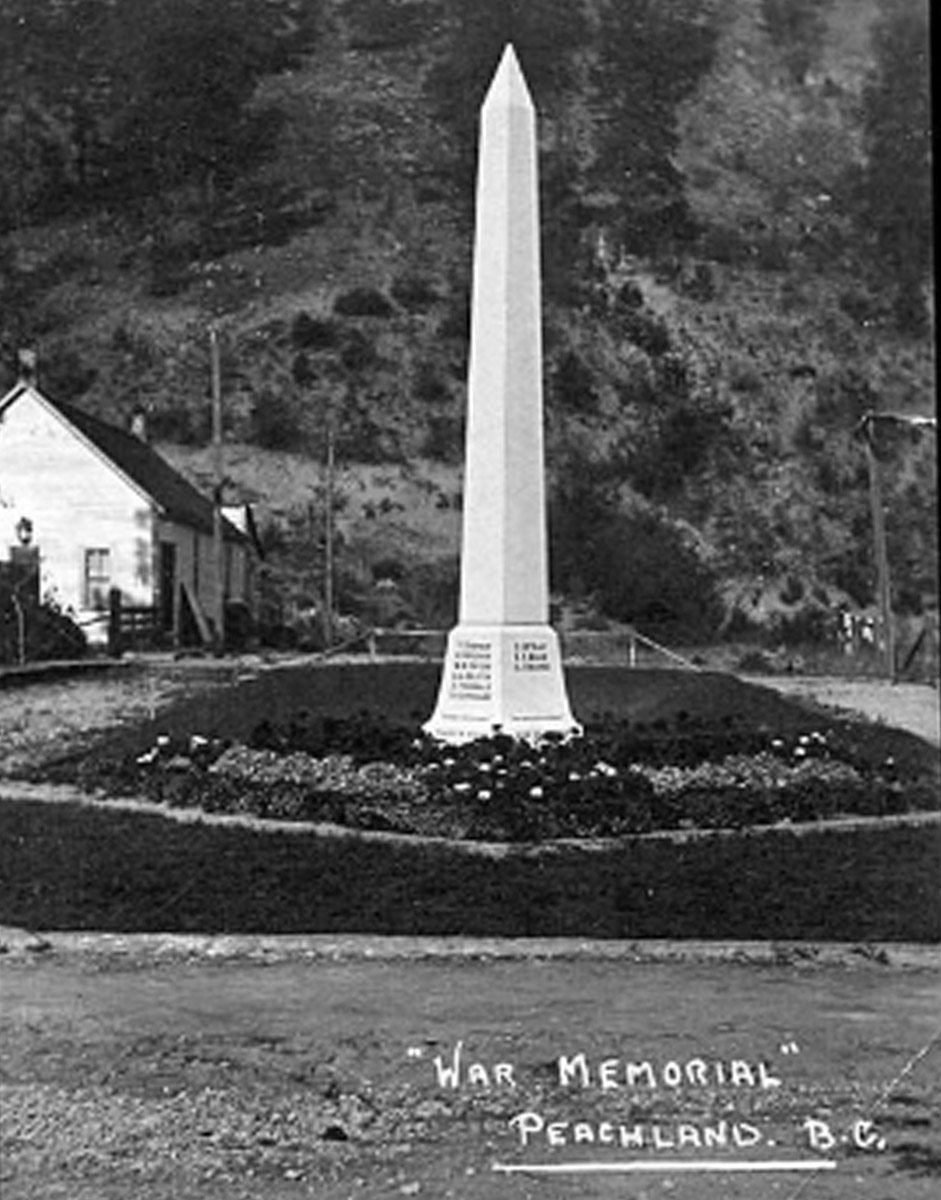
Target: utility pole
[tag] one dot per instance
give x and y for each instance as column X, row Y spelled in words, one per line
column 867, row 427
column 883, row 581
column 329, row 530
column 218, row 542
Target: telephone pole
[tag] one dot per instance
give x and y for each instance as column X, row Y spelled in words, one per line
column 883, row 581
column 867, row 427
column 328, row 587
column 218, row 541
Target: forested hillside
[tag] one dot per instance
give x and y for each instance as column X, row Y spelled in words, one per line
column 737, row 253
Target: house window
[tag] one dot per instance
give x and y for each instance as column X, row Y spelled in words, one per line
column 97, row 579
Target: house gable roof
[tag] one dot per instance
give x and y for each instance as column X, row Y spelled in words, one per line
column 173, row 495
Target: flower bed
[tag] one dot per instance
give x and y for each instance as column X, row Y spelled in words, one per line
column 368, row 773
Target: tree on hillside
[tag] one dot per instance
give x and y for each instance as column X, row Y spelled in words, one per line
column 126, row 98
column 624, row 66
column 897, row 205
column 51, row 66
column 17, row 314
column 190, row 70
column 545, row 33
column 798, row 29
column 548, row 36
column 651, row 57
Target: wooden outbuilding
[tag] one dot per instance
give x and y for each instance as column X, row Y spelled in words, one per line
column 106, row 516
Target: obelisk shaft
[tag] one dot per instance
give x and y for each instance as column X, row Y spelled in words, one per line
column 504, row 500
column 503, row 667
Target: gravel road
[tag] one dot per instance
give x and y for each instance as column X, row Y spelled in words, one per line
column 45, row 718
column 324, row 1072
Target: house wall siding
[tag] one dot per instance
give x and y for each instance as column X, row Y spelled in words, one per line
column 76, row 501
column 195, row 564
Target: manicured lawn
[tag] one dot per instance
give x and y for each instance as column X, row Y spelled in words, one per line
column 64, row 867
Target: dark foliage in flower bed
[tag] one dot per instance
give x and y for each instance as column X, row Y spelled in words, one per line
column 368, row 772
column 678, row 713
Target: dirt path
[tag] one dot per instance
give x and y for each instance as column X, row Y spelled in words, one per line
column 41, row 718
column 163, row 1077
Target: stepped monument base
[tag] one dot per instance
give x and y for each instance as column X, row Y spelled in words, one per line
column 502, row 679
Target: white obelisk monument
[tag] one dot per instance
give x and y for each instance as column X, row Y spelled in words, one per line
column 503, row 667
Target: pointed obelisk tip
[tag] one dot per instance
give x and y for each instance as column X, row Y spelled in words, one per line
column 508, row 86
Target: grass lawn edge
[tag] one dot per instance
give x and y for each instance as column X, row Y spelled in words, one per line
column 95, row 866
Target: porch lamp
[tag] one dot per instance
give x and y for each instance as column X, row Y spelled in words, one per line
column 24, row 531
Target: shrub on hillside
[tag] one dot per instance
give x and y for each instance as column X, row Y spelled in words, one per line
column 646, row 573
column 430, row 590
column 444, row 440
column 381, row 25
column 414, row 293
column 456, row 321
column 810, row 625
column 176, row 423
column 312, row 333
column 357, row 353
column 723, row 244
column 573, row 384
column 428, row 386
column 171, row 267
column 275, row 423
column 363, row 302
column 646, row 331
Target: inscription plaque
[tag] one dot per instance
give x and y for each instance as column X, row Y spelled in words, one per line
column 532, row 655
column 472, row 670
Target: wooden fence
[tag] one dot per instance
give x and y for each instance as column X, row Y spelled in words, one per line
column 131, row 626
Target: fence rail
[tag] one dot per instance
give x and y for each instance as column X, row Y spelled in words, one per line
column 626, row 646
column 131, row 626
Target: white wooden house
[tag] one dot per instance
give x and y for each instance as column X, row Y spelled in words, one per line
column 104, row 510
